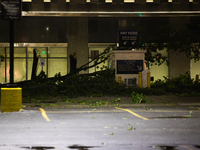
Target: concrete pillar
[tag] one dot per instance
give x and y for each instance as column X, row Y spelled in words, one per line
column 179, row 63
column 77, row 30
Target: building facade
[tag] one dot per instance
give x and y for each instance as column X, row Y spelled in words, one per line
column 58, row 28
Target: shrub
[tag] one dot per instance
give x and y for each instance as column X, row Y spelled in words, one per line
column 138, row 98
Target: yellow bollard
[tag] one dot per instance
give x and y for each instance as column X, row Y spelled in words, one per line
column 119, row 79
column 197, row 78
column 140, row 79
column 148, row 79
column 11, row 99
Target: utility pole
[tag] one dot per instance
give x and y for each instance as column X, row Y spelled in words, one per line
column 11, row 10
column 11, row 30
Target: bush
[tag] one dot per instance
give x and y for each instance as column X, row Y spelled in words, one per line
column 103, row 83
column 181, row 84
column 138, row 98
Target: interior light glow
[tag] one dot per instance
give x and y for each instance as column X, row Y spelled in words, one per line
column 140, row 14
column 28, row 13
column 129, row 1
column 110, row 14
column 26, row 0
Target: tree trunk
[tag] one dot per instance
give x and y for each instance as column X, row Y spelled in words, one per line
column 35, row 63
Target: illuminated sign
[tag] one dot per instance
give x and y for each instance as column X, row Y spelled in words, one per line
column 129, row 66
column 11, row 9
column 129, row 38
column 42, row 62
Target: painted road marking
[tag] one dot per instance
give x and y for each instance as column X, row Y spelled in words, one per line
column 132, row 113
column 43, row 112
column 115, row 111
column 195, row 107
column 186, row 147
column 80, row 112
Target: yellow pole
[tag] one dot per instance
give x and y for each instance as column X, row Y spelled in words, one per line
column 140, row 79
column 11, row 99
column 197, row 78
column 119, row 79
column 148, row 79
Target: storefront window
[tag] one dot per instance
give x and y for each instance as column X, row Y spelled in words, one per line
column 56, row 66
column 19, row 52
column 92, row 54
column 57, row 52
column 29, row 68
column 41, row 54
column 7, row 70
column 2, row 72
column 2, row 51
column 30, row 52
column 19, row 70
column 2, row 66
column 41, row 51
column 57, row 61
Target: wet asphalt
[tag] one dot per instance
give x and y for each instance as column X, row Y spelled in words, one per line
column 164, row 124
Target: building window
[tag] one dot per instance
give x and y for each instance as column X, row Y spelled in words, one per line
column 129, row 1
column 108, row 1
column 57, row 61
column 94, row 54
column 149, row 0
column 26, row 0
column 19, row 65
column 190, row 1
column 67, row 1
column 88, row 1
column 170, row 1
column 2, row 66
column 47, row 1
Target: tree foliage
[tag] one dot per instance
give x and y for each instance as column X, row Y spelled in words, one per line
column 98, row 60
column 165, row 37
column 182, row 40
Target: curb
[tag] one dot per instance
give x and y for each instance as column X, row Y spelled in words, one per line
column 63, row 105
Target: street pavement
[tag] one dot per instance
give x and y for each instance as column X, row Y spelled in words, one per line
column 167, row 123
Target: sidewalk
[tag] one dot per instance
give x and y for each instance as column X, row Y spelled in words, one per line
column 174, row 99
